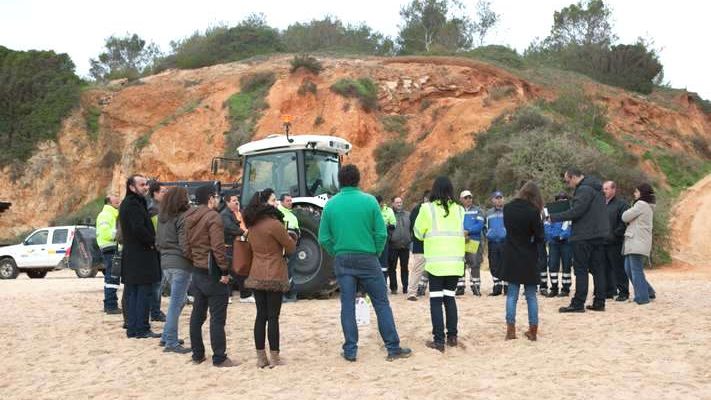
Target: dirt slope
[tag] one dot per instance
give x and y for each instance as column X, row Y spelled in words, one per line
column 691, row 225
column 170, row 125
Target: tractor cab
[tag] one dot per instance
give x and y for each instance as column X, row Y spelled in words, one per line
column 306, row 168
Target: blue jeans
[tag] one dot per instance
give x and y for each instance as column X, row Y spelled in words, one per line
column 634, row 267
column 512, row 298
column 156, row 291
column 111, row 284
column 364, row 269
column 179, row 282
column 137, row 304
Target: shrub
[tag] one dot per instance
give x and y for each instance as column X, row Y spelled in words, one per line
column 501, row 92
column 704, row 104
column 396, row 124
column 37, row 89
column 91, row 116
column 681, row 170
column 364, row 89
column 391, row 153
column 306, row 62
column 245, row 108
column 329, row 34
column 499, row 54
column 307, row 86
column 86, row 213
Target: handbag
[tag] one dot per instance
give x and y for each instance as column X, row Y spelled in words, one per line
column 242, row 256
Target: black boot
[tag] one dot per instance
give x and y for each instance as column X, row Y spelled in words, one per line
column 544, row 292
column 553, row 292
column 459, row 291
column 496, row 291
column 476, row 291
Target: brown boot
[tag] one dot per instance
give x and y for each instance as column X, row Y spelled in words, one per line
column 262, row 360
column 275, row 359
column 532, row 333
column 510, row 331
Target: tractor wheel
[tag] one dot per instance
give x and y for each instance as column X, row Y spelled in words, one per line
column 312, row 266
column 37, row 273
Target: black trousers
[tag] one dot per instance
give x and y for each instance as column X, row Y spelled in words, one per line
column 212, row 296
column 588, row 258
column 543, row 265
column 616, row 278
column 404, row 256
column 268, row 310
column 138, row 299
column 442, row 291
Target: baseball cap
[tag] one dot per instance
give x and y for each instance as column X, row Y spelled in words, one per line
column 497, row 194
column 465, row 193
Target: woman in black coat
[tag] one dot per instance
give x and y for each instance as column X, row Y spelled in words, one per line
column 524, row 228
column 140, row 260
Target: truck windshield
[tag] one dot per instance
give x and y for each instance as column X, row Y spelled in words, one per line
column 277, row 171
column 321, row 173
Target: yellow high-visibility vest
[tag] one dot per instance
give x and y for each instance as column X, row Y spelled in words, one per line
column 443, row 238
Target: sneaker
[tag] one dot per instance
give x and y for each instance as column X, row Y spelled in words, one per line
column 197, row 361
column 564, row 293
column 115, row 311
column 404, row 352
column 622, row 298
column 435, row 346
column 571, row 309
column 544, row 292
column 459, row 291
column 179, row 349
column 476, row 291
column 249, row 299
column 348, row 358
column 227, row 363
column 452, row 341
column 412, row 298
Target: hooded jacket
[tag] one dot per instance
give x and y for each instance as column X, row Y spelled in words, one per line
column 587, row 212
column 204, row 233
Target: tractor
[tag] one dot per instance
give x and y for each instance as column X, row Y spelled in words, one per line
column 306, row 168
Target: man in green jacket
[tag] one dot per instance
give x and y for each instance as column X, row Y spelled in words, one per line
column 352, row 229
column 106, row 239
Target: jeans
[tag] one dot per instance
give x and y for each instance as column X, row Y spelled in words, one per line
column 214, row 296
column 404, row 256
column 531, row 300
column 156, row 289
column 111, row 284
column 634, row 267
column 179, row 281
column 560, row 253
column 268, row 310
column 588, row 258
column 442, row 290
column 617, row 281
column 364, row 269
column 137, row 305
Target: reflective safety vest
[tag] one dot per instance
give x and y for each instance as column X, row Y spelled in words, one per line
column 443, row 238
column 106, row 227
column 290, row 220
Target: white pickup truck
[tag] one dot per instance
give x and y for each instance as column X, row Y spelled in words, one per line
column 48, row 249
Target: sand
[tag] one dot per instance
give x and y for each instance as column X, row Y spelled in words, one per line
column 57, row 344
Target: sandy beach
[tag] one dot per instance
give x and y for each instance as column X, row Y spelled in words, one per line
column 57, row 344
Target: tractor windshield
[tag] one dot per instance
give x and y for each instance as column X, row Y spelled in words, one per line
column 321, row 173
column 277, row 171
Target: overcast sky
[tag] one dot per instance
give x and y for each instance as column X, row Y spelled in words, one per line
column 79, row 27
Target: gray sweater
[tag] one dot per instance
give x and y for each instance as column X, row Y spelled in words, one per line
column 170, row 245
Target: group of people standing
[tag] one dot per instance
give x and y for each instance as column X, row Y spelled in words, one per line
column 186, row 247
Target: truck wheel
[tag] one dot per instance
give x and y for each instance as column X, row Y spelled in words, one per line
column 8, row 269
column 37, row 273
column 312, row 266
column 86, row 272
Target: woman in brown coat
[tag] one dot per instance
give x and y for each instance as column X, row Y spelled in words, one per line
column 268, row 276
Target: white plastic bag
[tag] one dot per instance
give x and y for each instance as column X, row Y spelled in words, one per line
column 362, row 312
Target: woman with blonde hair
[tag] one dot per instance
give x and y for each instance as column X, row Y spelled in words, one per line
column 524, row 228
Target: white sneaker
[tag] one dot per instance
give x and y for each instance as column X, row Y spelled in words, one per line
column 249, row 299
column 229, row 300
column 191, row 299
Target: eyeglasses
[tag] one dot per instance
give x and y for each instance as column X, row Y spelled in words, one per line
column 467, row 197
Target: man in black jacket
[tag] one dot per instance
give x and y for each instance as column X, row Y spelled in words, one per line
column 233, row 229
column 140, row 263
column 590, row 227
column 617, row 282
